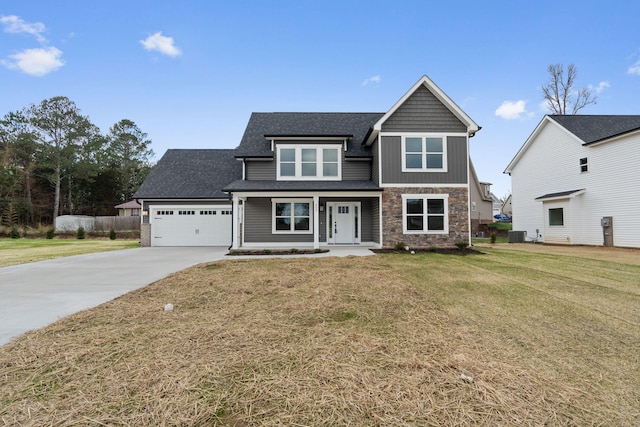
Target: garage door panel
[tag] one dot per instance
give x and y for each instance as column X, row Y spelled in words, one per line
column 191, row 226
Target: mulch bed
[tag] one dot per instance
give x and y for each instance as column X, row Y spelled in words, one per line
column 446, row 251
column 277, row 252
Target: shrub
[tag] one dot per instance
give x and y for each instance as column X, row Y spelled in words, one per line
column 80, row 234
column 293, row 251
column 400, row 246
column 462, row 245
column 267, row 251
column 493, row 237
column 50, row 233
column 15, row 233
column 112, row 234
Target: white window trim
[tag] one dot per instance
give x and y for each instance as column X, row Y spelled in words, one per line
column 319, row 163
column 292, row 231
column 424, row 159
column 424, row 198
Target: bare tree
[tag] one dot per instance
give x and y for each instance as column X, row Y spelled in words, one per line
column 561, row 95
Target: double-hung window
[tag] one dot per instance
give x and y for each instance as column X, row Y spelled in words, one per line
column 425, row 213
column 424, row 153
column 309, row 162
column 292, row 216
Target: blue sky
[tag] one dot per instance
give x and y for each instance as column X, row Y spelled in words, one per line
column 190, row 73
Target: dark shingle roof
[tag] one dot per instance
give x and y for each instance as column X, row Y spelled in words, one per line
column 591, row 129
column 356, row 125
column 241, row 185
column 559, row 194
column 191, row 174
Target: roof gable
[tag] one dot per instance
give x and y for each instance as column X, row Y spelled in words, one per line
column 427, row 83
column 265, row 126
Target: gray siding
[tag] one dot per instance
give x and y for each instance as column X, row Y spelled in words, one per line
column 260, row 170
column 257, row 224
column 392, row 165
column 374, row 165
column 356, row 170
column 423, row 112
column 266, row 170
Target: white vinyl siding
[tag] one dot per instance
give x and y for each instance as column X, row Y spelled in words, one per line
column 551, row 164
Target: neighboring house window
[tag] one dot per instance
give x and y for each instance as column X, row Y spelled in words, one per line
column 425, row 214
column 473, row 206
column 135, row 212
column 584, row 164
column 424, row 154
column 291, row 216
column 309, row 162
column 556, row 216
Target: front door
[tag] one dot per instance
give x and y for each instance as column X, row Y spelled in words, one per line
column 343, row 223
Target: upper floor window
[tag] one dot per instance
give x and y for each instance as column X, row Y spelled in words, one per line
column 424, row 154
column 584, row 164
column 308, row 162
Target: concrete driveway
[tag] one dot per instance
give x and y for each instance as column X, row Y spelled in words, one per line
column 37, row 294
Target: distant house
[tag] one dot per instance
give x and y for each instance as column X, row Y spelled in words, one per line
column 481, row 209
column 130, row 208
column 496, row 204
column 507, row 209
column 319, row 179
column 575, row 181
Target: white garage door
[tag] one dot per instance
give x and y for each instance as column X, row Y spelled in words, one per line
column 191, row 225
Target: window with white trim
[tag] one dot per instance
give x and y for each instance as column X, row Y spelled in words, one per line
column 426, row 153
column 556, row 216
column 292, row 216
column 584, row 164
column 309, row 162
column 425, row 213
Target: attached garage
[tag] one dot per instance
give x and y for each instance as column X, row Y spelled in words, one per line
column 198, row 225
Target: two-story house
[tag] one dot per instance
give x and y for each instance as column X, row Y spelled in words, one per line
column 320, row 179
column 575, row 180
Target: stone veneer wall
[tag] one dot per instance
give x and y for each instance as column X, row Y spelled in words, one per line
column 145, row 235
column 392, row 218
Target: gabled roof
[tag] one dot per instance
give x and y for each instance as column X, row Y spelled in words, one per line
column 592, row 129
column 472, row 126
column 131, row 204
column 191, row 174
column 586, row 129
column 265, row 126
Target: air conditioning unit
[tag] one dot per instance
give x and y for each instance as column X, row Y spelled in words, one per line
column 517, row 236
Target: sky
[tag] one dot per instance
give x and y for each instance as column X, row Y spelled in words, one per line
column 189, row 73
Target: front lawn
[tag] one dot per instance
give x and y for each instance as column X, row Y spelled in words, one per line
column 509, row 337
column 20, row 251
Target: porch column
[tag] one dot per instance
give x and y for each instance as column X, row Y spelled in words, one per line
column 316, row 222
column 235, row 219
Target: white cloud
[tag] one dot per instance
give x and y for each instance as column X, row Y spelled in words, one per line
column 601, row 86
column 13, row 24
column 36, row 62
column 161, row 44
column 372, row 80
column 510, row 110
column 635, row 68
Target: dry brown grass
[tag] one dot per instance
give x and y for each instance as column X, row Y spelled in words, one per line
column 344, row 341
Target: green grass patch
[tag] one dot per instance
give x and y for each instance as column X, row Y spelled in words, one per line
column 21, row 251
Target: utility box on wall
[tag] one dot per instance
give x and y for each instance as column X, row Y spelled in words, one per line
column 607, row 230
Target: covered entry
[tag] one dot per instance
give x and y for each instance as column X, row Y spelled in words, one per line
column 344, row 223
column 203, row 225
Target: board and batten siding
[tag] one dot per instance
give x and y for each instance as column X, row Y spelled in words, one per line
column 423, row 112
column 457, row 165
column 551, row 164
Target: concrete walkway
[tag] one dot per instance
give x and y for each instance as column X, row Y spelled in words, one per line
column 37, row 294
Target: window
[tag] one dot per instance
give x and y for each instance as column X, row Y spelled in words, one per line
column 473, row 206
column 291, row 216
column 584, row 164
column 424, row 154
column 556, row 216
column 425, row 214
column 309, row 162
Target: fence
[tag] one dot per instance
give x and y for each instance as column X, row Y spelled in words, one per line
column 98, row 223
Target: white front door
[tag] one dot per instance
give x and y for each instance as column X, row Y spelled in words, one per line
column 343, row 223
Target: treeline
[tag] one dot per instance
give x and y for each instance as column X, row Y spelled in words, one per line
column 54, row 161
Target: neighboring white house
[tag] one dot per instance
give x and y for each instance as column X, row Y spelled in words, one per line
column 575, row 181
